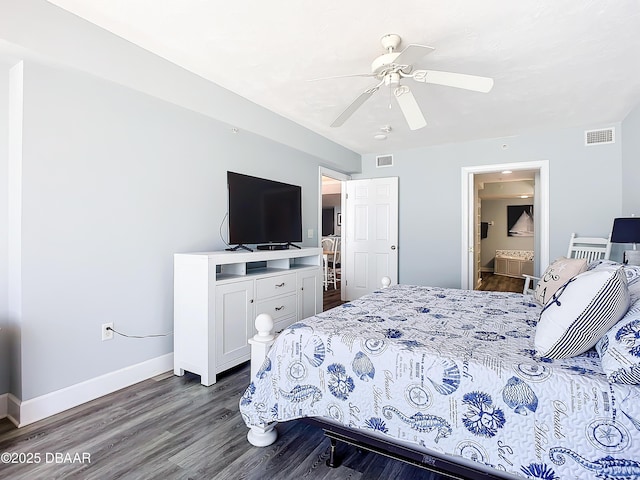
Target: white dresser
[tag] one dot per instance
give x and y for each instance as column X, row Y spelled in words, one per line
column 217, row 296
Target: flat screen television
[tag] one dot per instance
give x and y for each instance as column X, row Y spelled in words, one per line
column 263, row 212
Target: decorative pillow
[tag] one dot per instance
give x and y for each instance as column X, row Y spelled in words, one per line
column 581, row 312
column 619, row 349
column 631, row 271
column 556, row 275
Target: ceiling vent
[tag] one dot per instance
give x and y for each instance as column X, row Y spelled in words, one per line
column 598, row 137
column 384, row 161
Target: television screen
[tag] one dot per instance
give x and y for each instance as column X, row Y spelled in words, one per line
column 263, row 211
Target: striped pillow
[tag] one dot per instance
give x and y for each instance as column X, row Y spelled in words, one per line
column 619, row 349
column 581, row 312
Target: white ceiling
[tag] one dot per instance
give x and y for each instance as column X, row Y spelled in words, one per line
column 556, row 63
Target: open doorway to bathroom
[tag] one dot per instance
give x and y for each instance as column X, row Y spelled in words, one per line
column 496, row 239
column 506, row 247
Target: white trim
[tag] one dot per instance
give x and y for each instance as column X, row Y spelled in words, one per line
column 343, row 177
column 542, row 211
column 13, row 409
column 38, row 408
column 326, row 172
column 4, row 402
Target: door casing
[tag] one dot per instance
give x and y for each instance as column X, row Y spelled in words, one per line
column 541, row 209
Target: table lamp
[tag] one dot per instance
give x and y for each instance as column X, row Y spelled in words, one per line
column 627, row 230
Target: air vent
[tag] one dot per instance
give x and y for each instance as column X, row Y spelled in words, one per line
column 598, row 137
column 384, row 161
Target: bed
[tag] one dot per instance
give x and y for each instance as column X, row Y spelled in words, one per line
column 452, row 375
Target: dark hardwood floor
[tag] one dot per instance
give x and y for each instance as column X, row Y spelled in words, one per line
column 501, row 283
column 172, row 427
column 331, row 298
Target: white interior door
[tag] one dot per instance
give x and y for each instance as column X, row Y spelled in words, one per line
column 370, row 235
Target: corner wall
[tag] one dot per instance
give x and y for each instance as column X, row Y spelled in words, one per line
column 631, row 163
column 4, row 230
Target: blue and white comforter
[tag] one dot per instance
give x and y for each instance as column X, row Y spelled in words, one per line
column 453, row 371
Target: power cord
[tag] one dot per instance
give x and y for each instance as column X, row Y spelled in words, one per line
column 139, row 336
column 220, row 229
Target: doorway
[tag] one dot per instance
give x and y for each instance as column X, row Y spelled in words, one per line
column 330, row 226
column 475, row 180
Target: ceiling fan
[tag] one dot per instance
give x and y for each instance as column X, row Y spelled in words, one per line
column 392, row 68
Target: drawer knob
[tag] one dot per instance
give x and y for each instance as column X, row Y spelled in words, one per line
column 278, row 285
column 281, row 307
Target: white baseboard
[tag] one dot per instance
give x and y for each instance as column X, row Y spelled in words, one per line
column 4, row 402
column 25, row 412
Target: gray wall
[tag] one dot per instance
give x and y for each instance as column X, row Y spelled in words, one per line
column 495, row 210
column 114, row 182
column 631, row 163
column 124, row 163
column 585, row 195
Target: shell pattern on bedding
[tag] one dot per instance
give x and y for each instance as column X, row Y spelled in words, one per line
column 454, row 371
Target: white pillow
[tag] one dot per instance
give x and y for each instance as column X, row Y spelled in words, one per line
column 631, row 271
column 581, row 312
column 556, row 275
column 619, row 349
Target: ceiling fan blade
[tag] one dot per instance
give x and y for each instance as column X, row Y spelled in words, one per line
column 458, row 80
column 412, row 54
column 410, row 108
column 342, row 76
column 357, row 103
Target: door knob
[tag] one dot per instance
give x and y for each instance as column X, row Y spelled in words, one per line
column 393, row 247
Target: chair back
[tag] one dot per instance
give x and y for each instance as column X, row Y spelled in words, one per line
column 328, row 245
column 589, row 248
column 336, row 250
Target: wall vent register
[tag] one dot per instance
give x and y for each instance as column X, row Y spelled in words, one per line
column 384, row 161
column 598, row 137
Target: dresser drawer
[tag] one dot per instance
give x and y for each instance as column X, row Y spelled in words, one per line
column 278, row 307
column 283, row 323
column 278, row 285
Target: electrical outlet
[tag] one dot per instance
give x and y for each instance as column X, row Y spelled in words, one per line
column 310, row 233
column 107, row 331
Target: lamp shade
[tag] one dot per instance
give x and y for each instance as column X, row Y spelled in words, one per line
column 626, row 230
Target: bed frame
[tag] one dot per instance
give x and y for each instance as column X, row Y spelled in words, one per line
column 452, row 467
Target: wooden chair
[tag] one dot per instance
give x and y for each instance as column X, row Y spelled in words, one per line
column 331, row 260
column 589, row 248
column 328, row 261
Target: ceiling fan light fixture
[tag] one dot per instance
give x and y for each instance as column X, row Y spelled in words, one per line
column 392, row 66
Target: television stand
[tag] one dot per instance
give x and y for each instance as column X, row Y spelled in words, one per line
column 277, row 246
column 238, row 247
column 221, row 293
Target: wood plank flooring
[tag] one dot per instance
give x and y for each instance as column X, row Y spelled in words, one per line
column 172, row 427
column 331, row 298
column 501, row 283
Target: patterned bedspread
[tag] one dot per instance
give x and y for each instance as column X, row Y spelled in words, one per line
column 453, row 371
